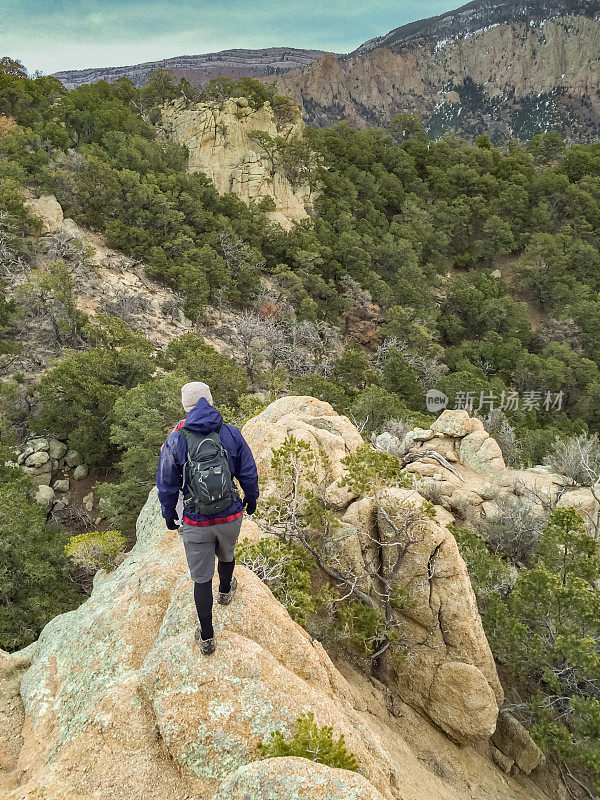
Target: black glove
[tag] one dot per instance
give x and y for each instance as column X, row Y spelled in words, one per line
column 171, row 524
column 250, row 505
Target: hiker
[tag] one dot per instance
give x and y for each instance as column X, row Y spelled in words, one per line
column 201, row 457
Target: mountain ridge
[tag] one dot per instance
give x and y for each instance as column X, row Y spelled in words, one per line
column 509, row 77
column 230, row 63
column 475, row 16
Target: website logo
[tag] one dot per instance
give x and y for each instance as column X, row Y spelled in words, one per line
column 435, row 400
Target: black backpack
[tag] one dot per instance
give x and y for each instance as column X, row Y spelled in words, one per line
column 208, row 486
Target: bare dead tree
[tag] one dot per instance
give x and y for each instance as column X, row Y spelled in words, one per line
column 578, row 459
column 429, row 368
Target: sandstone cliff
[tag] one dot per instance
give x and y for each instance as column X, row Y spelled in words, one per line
column 512, row 74
column 114, row 701
column 219, row 140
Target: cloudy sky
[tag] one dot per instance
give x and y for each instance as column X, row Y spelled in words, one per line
column 50, row 35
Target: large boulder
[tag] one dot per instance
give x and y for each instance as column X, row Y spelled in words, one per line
column 118, row 702
column 456, row 423
column 331, row 437
column 44, row 495
column 295, row 779
column 444, row 667
column 512, row 739
column 56, row 449
column 48, row 210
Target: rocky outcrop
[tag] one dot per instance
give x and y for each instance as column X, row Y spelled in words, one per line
column 443, row 665
column 295, row 779
column 530, row 69
column 460, row 466
column 52, row 467
column 115, row 701
column 219, row 139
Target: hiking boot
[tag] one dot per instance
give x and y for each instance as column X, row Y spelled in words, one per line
column 207, row 646
column 225, row 598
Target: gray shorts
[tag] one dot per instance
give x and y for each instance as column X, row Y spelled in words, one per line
column 203, row 544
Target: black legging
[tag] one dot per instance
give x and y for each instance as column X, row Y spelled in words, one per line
column 204, row 599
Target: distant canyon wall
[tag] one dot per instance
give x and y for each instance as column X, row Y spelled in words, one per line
column 511, row 79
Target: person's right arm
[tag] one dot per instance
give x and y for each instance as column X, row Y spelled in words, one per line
column 169, row 479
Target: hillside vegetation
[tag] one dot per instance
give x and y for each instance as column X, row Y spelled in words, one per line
column 428, row 264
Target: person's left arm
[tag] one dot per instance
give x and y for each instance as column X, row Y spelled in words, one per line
column 245, row 471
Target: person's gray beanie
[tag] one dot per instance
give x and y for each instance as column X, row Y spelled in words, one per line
column 192, row 392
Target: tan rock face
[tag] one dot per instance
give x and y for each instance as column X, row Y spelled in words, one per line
column 218, row 138
column 315, row 422
column 440, row 625
column 460, row 692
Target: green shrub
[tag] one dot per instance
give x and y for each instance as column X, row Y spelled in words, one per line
column 190, row 356
column 490, row 572
column 142, row 419
column 78, row 394
column 95, row 550
column 363, row 627
column 374, row 406
column 36, row 582
column 368, row 471
column 286, row 570
column 311, row 742
column 323, row 389
column 546, row 630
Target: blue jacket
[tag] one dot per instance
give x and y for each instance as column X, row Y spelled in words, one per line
column 203, row 418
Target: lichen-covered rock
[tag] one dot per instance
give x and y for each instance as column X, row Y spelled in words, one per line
column 37, row 459
column 295, row 779
column 105, row 677
column 12, row 717
column 56, row 449
column 456, row 423
column 72, row 458
column 583, row 500
column 44, row 495
column 482, row 454
column 81, row 471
